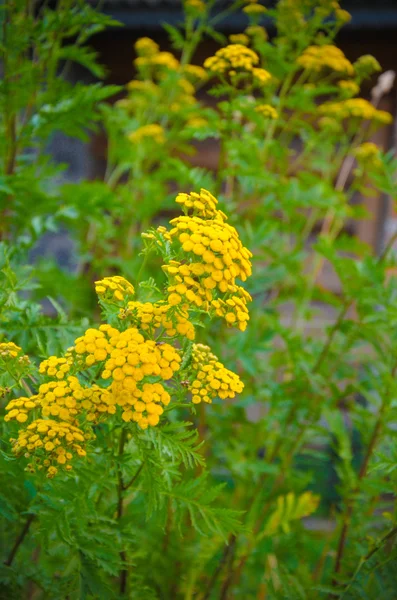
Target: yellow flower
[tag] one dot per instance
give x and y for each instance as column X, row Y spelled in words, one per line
column 368, row 154
column 254, row 9
column 366, row 65
column 115, row 288
column 55, row 367
column 356, row 108
column 342, row 16
column 239, row 38
column 20, row 407
column 210, row 378
column 231, row 58
column 195, row 71
column 261, row 76
column 50, row 443
column 146, row 47
column 350, row 87
column 195, row 5
column 153, row 132
column 267, row 111
column 257, row 32
column 196, row 122
column 317, row 58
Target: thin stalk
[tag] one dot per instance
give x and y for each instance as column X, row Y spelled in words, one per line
column 23, row 533
column 120, row 509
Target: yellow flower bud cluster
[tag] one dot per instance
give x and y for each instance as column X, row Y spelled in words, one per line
column 50, row 443
column 257, row 33
column 114, row 288
column 232, row 58
column 67, row 399
column 55, row 367
column 366, row 65
column 195, row 72
column 11, row 354
column 146, row 47
column 261, row 76
column 202, row 205
column 195, row 5
column 153, row 132
column 149, row 317
column 161, row 60
column 328, row 56
column 9, row 350
column 131, row 361
column 267, row 111
column 19, row 408
column 368, row 154
column 254, row 9
column 211, row 258
column 239, row 38
column 349, row 87
column 357, row 108
column 234, row 310
column 211, row 379
column 142, row 405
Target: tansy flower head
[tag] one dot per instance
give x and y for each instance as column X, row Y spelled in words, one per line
column 356, row 108
column 19, row 408
column 55, row 367
column 114, row 288
column 195, row 72
column 151, row 317
column 197, row 6
column 234, row 57
column 365, row 66
column 254, row 9
column 267, row 111
column 53, row 444
column 146, row 47
column 239, row 38
column 368, row 154
column 152, row 132
column 261, row 76
column 349, row 87
column 317, row 58
column 211, row 378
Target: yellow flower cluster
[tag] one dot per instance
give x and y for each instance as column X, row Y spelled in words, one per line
column 356, row 108
column 349, row 87
column 232, row 58
column 50, row 443
column 9, row 350
column 202, row 205
column 239, row 38
column 366, row 65
column 196, row 5
column 267, row 111
column 368, row 154
column 163, row 60
column 150, row 317
column 261, row 76
column 317, row 58
column 114, row 288
column 146, row 47
column 19, row 408
column 257, row 33
column 195, row 71
column 254, row 9
column 153, row 132
column 212, row 257
column 130, row 359
column 211, row 379
column 55, row 367
column 234, row 310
